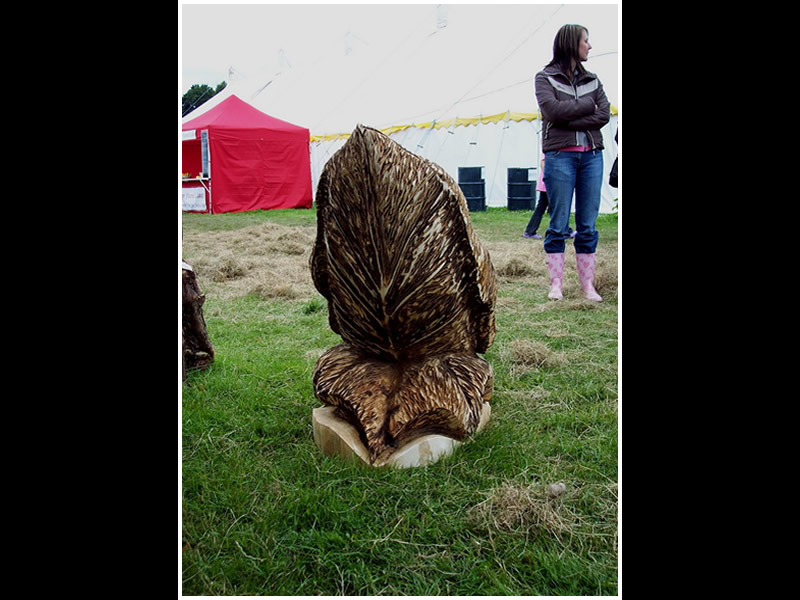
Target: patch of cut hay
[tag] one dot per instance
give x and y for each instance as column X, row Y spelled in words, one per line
column 531, row 353
column 227, row 266
column 606, row 275
column 506, row 301
column 274, row 289
column 573, row 300
column 512, row 507
column 515, row 267
column 269, row 261
column 294, row 241
column 514, row 261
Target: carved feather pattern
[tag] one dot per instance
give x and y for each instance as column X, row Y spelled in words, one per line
column 410, row 290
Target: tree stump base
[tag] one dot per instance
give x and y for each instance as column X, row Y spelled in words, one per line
column 198, row 353
column 336, row 437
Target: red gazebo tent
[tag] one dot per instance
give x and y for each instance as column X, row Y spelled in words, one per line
column 237, row 158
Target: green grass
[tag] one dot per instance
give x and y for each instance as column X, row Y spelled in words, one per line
column 265, row 513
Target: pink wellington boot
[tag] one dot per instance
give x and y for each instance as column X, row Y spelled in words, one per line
column 555, row 268
column 586, row 276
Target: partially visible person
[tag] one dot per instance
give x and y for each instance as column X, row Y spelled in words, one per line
column 613, row 177
column 574, row 107
column 541, row 206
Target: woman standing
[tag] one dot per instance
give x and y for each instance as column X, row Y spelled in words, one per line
column 574, row 107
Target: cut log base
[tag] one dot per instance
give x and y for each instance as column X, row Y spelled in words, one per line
column 336, row 437
column 198, row 353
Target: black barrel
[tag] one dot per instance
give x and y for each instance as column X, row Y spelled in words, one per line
column 518, row 175
column 521, row 190
column 472, row 184
column 470, row 174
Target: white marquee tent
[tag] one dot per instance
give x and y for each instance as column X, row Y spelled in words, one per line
column 455, row 86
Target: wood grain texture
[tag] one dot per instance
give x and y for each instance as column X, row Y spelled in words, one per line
column 198, row 352
column 410, row 290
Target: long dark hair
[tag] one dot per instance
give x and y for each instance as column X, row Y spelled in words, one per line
column 565, row 48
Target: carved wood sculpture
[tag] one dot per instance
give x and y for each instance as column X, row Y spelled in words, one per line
column 411, row 291
column 198, row 353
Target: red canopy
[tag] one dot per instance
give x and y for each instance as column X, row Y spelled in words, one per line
column 256, row 161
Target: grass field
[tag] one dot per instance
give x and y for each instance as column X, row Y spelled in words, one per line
column 265, row 513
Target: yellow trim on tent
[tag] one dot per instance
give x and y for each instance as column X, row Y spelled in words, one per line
column 447, row 124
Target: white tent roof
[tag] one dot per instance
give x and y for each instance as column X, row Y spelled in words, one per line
column 482, row 62
column 398, row 66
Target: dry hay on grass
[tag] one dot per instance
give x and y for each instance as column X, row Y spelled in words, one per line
column 535, row 354
column 271, row 261
column 533, row 509
column 522, row 356
column 515, row 262
column 524, row 261
column 515, row 267
column 605, row 273
column 532, row 354
column 267, row 260
column 547, row 510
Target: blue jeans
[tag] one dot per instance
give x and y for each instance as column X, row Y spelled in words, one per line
column 565, row 173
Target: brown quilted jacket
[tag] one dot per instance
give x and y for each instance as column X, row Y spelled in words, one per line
column 571, row 108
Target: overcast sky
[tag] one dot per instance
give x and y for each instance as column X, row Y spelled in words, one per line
column 502, row 45
column 250, row 37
